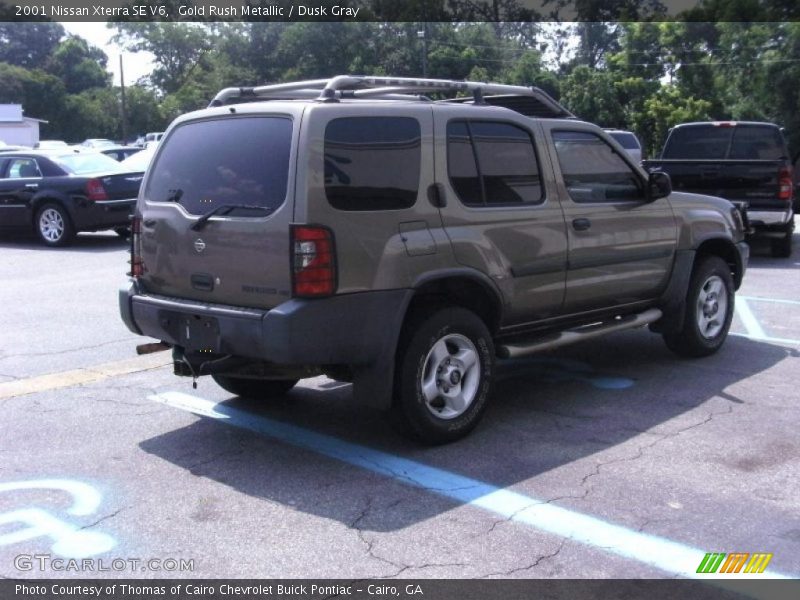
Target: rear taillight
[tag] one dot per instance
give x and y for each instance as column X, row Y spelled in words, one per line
column 313, row 261
column 95, row 190
column 137, row 266
column 785, row 184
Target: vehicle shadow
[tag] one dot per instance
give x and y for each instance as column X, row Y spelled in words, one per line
column 84, row 242
column 547, row 411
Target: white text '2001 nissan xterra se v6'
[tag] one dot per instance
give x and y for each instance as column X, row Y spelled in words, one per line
column 355, row 228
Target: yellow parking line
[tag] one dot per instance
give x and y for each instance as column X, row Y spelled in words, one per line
column 54, row 381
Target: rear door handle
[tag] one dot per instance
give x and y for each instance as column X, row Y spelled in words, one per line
column 581, row 224
column 32, row 186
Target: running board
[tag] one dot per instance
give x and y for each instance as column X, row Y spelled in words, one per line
column 570, row 336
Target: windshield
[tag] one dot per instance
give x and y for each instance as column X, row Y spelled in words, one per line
column 626, row 140
column 234, row 160
column 83, row 164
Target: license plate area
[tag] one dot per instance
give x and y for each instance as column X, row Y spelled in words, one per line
column 199, row 333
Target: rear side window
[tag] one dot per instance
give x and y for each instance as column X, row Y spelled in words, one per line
column 238, row 160
column 23, row 168
column 372, row 163
column 757, row 143
column 492, row 163
column 698, row 142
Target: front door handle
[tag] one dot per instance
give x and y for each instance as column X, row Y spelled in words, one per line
column 32, row 186
column 581, row 224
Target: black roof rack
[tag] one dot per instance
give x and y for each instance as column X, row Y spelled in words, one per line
column 531, row 101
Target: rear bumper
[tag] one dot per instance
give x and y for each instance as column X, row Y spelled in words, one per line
column 770, row 218
column 352, row 329
column 103, row 214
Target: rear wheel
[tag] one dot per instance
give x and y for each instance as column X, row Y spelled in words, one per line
column 123, row 232
column 709, row 310
column 53, row 225
column 259, row 389
column 444, row 375
column 782, row 247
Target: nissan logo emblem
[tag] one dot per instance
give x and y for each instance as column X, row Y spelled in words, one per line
column 199, row 245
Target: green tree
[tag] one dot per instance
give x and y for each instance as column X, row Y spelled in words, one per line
column 28, row 45
column 79, row 65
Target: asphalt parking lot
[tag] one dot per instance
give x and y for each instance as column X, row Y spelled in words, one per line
column 608, row 459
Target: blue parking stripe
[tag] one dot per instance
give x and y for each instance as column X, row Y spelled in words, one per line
column 672, row 557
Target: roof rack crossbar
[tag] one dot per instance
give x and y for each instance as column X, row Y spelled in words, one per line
column 330, row 90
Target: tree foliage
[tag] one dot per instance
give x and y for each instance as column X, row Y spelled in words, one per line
column 646, row 76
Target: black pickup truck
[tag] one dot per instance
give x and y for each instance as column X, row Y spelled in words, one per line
column 59, row 193
column 744, row 162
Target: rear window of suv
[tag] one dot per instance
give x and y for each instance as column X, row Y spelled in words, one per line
column 372, row 163
column 712, row 142
column 235, row 160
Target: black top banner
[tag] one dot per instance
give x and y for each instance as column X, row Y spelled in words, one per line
column 398, row 10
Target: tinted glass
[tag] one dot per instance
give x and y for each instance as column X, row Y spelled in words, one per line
column 86, row 163
column 237, row 160
column 506, row 172
column 757, row 142
column 461, row 166
column 372, row 163
column 626, row 140
column 698, row 142
column 507, row 163
column 592, row 171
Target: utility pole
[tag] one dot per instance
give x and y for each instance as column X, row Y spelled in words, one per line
column 423, row 35
column 124, row 110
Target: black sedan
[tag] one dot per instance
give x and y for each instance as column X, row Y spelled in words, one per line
column 61, row 193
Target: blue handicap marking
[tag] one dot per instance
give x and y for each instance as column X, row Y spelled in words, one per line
column 68, row 539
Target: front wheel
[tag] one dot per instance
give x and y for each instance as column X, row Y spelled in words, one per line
column 444, row 375
column 258, row 389
column 53, row 225
column 709, row 310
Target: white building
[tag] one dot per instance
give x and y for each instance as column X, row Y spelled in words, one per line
column 16, row 129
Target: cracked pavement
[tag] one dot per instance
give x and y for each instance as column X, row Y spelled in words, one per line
column 704, row 453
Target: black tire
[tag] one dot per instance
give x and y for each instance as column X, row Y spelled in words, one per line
column 782, row 247
column 258, row 389
column 690, row 341
column 123, row 232
column 53, row 226
column 462, row 333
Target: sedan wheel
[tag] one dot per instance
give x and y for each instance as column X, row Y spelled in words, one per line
column 53, row 225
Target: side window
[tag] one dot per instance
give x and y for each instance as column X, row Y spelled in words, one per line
column 592, row 171
column 21, row 168
column 492, row 163
column 372, row 163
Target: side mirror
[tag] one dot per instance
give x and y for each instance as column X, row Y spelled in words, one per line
column 659, row 185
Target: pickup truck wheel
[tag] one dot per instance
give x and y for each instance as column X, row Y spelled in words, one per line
column 53, row 225
column 259, row 389
column 709, row 310
column 782, row 247
column 444, row 375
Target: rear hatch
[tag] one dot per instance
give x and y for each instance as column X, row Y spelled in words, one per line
column 736, row 161
column 237, row 166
